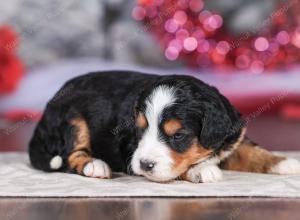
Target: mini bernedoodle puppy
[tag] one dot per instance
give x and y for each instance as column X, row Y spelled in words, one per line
column 161, row 127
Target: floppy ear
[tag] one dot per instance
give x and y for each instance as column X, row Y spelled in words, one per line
column 216, row 126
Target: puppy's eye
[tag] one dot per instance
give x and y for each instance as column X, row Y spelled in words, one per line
column 178, row 136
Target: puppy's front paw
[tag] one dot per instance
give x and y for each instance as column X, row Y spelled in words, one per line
column 98, row 169
column 204, row 174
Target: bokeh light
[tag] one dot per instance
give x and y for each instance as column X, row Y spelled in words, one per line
column 257, row 67
column 261, row 44
column 138, row 13
column 180, row 17
column 283, row 37
column 196, row 5
column 223, row 47
column 186, row 27
column 190, row 44
column 171, row 25
column 171, row 53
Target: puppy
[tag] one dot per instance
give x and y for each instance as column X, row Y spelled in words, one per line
column 160, row 127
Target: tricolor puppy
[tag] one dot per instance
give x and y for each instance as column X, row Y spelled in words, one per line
column 160, row 127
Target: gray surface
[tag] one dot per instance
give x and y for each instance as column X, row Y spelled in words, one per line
column 17, row 178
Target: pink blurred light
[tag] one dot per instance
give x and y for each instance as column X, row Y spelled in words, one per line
column 180, row 17
column 171, row 25
column 283, row 37
column 151, row 12
column 184, row 4
column 158, row 2
column 214, row 21
column 177, row 44
column 257, row 67
column 182, row 34
column 198, row 34
column 138, row 13
column 204, row 15
column 203, row 46
column 190, row 44
column 196, row 5
column 222, row 47
column 261, row 44
column 296, row 38
column 273, row 47
column 171, row 53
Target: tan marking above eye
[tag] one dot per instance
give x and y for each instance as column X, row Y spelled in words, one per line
column 141, row 120
column 172, row 126
column 183, row 161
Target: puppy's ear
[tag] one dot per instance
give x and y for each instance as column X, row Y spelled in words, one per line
column 216, row 126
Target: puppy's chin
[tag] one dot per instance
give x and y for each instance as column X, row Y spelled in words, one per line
column 160, row 179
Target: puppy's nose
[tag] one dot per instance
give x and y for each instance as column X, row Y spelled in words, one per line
column 147, row 165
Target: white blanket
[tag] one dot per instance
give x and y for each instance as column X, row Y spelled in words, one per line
column 17, row 178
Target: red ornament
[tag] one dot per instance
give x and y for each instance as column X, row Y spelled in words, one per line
column 187, row 31
column 11, row 68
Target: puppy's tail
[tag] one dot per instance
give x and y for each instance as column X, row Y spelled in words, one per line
column 43, row 159
column 250, row 157
column 48, row 146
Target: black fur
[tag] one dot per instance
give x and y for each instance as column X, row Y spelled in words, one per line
column 109, row 101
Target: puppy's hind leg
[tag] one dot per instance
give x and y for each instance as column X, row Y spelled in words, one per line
column 249, row 157
column 80, row 159
column 62, row 142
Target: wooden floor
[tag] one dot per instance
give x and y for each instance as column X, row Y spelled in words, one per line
column 275, row 133
column 147, row 208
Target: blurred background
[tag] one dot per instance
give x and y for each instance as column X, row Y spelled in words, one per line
column 248, row 49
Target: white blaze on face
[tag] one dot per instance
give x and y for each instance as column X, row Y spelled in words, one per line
column 150, row 147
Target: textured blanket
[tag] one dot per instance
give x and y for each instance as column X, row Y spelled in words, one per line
column 18, row 178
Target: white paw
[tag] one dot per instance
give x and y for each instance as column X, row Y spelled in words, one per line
column 288, row 166
column 205, row 174
column 97, row 168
